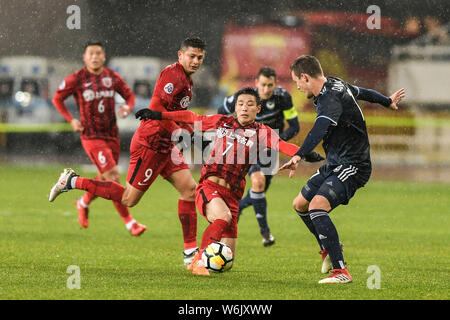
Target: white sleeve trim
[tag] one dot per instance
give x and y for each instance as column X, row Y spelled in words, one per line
column 334, row 123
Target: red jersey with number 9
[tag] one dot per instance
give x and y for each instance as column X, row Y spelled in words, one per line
column 173, row 92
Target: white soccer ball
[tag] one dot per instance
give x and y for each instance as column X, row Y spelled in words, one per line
column 217, row 257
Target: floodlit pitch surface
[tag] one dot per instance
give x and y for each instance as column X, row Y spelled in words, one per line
column 396, row 238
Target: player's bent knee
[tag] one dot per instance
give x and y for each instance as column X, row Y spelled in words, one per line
column 258, row 182
column 320, row 202
column 300, row 204
column 111, row 175
column 189, row 193
column 131, row 196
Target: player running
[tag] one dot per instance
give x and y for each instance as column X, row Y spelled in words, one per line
column 239, row 142
column 93, row 88
column 341, row 125
column 152, row 146
column 276, row 107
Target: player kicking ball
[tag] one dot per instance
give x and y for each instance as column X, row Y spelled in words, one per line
column 237, row 145
column 341, row 125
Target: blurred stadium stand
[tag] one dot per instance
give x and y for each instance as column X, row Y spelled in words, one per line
column 411, row 51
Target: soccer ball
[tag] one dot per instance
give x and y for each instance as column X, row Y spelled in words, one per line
column 217, row 257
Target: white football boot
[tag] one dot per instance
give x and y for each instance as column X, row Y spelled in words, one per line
column 62, row 185
column 337, row 276
column 326, row 261
column 268, row 240
column 189, row 258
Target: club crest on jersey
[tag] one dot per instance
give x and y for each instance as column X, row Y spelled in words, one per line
column 270, row 105
column 232, row 135
column 168, row 88
column 88, row 95
column 107, row 82
column 184, row 103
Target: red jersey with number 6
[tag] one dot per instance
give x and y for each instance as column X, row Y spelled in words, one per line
column 94, row 96
column 173, row 92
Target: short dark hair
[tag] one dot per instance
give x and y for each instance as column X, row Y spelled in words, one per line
column 194, row 42
column 267, row 72
column 94, row 43
column 307, row 64
column 250, row 91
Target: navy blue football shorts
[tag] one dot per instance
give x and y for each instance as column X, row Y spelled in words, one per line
column 337, row 184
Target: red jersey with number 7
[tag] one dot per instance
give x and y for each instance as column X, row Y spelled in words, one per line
column 236, row 148
column 94, row 96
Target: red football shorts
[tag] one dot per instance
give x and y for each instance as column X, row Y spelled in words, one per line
column 208, row 190
column 146, row 164
column 103, row 153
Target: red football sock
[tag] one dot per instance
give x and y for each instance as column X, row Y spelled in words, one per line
column 87, row 198
column 123, row 211
column 213, row 233
column 105, row 189
column 188, row 218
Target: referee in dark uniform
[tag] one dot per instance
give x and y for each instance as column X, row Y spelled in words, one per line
column 341, row 125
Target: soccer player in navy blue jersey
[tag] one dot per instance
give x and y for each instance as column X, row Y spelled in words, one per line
column 341, row 125
column 276, row 107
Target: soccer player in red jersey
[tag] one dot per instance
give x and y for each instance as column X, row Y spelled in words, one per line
column 93, row 88
column 238, row 144
column 152, row 146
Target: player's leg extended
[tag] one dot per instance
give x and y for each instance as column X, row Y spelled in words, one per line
column 318, row 211
column 184, row 183
column 82, row 205
column 301, row 202
column 219, row 216
column 246, row 201
column 259, row 203
column 69, row 180
column 135, row 228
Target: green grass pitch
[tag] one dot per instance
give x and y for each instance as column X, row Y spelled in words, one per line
column 402, row 228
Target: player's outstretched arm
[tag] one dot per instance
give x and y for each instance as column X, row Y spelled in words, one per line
column 184, row 116
column 374, row 96
column 396, row 97
column 291, row 165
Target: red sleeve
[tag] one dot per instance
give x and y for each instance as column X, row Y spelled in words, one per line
column 186, row 116
column 167, row 86
column 124, row 90
column 273, row 141
column 65, row 89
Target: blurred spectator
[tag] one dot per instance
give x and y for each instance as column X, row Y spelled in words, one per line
column 5, row 91
column 435, row 32
column 143, row 89
column 412, row 26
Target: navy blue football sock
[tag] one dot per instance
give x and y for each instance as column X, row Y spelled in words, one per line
column 328, row 235
column 245, row 201
column 307, row 220
column 259, row 203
